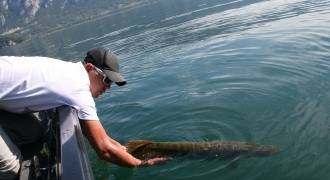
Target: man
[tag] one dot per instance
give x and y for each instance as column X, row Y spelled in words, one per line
column 32, row 84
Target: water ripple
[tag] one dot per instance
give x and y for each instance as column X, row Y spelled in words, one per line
column 243, row 70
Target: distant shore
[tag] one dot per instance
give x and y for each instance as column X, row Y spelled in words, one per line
column 43, row 26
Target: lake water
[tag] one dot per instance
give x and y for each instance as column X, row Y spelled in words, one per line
column 244, row 70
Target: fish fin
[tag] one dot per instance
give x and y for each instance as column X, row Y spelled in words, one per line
column 233, row 164
column 136, row 144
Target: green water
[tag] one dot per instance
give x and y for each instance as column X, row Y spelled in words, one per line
column 245, row 70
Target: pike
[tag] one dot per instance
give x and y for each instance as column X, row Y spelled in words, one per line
column 144, row 149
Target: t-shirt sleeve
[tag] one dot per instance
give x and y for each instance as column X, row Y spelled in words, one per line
column 78, row 93
column 85, row 105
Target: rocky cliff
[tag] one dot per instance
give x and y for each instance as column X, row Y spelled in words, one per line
column 17, row 12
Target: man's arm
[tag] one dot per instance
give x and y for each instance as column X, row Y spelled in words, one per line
column 117, row 143
column 109, row 149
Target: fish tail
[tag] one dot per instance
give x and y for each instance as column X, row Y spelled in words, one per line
column 266, row 150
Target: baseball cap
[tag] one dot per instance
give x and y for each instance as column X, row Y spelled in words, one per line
column 107, row 62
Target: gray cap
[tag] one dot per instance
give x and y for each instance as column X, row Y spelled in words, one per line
column 107, row 62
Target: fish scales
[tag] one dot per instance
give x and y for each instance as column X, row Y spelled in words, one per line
column 195, row 147
column 182, row 147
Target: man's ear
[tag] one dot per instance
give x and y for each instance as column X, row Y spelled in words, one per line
column 89, row 67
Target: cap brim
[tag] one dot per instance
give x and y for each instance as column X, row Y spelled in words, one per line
column 115, row 77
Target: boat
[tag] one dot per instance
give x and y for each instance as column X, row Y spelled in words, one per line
column 62, row 153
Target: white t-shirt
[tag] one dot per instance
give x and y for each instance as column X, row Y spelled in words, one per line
column 30, row 84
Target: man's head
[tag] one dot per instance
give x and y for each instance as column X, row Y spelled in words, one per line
column 105, row 68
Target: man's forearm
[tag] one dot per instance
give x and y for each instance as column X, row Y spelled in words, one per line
column 117, row 143
column 107, row 148
column 117, row 154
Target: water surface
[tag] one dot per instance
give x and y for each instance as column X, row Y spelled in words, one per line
column 244, row 70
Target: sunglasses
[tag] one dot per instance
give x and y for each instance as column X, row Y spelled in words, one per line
column 105, row 79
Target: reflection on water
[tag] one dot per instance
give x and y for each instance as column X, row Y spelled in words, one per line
column 242, row 70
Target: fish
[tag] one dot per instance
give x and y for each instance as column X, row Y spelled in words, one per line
column 146, row 149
